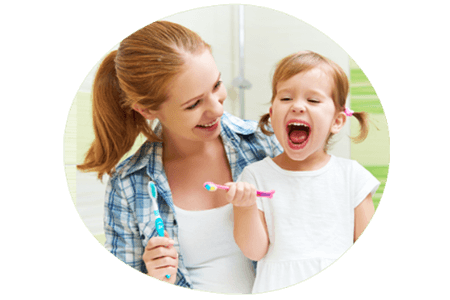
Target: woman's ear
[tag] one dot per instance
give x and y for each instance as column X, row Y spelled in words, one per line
column 338, row 123
column 145, row 112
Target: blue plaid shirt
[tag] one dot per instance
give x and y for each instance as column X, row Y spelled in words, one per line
column 129, row 221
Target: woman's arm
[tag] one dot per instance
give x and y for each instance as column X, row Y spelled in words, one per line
column 121, row 230
column 363, row 213
column 250, row 230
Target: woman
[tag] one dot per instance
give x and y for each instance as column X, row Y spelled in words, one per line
column 166, row 72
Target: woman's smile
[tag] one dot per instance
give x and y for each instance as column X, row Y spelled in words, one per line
column 209, row 126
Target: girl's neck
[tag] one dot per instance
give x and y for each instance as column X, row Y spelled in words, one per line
column 313, row 162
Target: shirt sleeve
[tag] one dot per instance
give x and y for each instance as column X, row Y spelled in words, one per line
column 121, row 232
column 365, row 183
column 247, row 176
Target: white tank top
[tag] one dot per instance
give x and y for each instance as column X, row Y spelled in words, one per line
column 213, row 259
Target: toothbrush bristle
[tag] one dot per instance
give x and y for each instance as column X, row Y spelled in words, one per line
column 210, row 186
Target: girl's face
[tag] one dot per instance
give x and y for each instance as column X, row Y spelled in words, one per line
column 195, row 104
column 303, row 115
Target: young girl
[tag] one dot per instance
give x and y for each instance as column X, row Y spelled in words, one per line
column 166, row 72
column 322, row 203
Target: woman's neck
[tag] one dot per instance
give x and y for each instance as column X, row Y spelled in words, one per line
column 175, row 149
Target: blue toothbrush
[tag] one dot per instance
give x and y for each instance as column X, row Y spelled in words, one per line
column 159, row 224
column 154, row 196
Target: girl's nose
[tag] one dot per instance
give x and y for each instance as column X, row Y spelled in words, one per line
column 298, row 107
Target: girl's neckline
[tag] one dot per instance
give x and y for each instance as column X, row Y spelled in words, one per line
column 323, row 169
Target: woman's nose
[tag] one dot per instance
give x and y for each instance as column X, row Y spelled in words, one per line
column 215, row 102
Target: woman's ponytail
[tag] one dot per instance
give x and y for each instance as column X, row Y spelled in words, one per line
column 115, row 126
column 139, row 72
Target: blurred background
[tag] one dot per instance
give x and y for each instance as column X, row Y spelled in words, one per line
column 247, row 42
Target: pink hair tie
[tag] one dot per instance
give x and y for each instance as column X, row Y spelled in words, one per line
column 348, row 112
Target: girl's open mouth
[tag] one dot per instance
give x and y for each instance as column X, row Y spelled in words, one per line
column 298, row 132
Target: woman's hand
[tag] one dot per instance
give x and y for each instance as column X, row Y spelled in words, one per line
column 161, row 258
column 241, row 194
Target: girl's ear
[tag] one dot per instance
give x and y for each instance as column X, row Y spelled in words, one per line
column 145, row 112
column 270, row 112
column 338, row 123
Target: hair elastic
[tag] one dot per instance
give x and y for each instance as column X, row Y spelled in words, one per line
column 348, row 112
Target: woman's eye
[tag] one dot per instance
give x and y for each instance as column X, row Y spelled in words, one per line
column 218, row 84
column 193, row 105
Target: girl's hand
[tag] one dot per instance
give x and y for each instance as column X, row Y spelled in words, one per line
column 241, row 194
column 161, row 258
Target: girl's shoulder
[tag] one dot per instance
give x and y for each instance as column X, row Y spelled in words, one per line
column 346, row 163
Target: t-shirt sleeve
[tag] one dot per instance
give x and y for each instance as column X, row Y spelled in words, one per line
column 365, row 184
column 247, row 176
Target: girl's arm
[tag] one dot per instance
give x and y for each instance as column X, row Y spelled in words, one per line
column 250, row 229
column 363, row 213
column 250, row 232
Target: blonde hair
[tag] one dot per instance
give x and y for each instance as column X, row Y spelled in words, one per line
column 304, row 61
column 139, row 72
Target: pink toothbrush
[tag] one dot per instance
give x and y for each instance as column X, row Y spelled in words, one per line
column 211, row 186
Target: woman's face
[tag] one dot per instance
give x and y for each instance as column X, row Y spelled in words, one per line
column 195, row 103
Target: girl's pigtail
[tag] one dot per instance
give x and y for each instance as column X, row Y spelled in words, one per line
column 115, row 127
column 363, row 119
column 264, row 123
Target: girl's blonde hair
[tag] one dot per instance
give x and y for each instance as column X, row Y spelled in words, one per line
column 139, row 72
column 304, row 61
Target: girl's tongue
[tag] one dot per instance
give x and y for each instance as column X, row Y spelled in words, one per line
column 298, row 136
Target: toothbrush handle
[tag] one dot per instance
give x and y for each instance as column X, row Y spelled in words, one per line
column 223, row 187
column 258, row 193
column 265, row 194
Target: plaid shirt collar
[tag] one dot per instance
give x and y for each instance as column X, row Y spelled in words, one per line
column 150, row 154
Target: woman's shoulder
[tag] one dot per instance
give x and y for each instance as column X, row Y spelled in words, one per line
column 135, row 162
column 239, row 125
column 249, row 135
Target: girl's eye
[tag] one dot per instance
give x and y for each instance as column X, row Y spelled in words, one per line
column 313, row 101
column 193, row 105
column 285, row 99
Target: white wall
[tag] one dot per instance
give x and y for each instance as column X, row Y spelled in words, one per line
column 269, row 36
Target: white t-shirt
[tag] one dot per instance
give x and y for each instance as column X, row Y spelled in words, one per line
column 213, row 259
column 310, row 218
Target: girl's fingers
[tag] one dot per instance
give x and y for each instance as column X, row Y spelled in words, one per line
column 241, row 193
column 231, row 192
